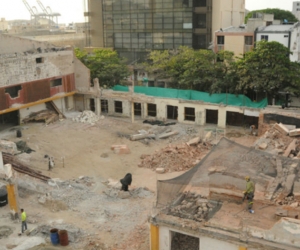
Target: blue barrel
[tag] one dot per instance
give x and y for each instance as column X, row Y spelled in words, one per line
column 54, row 236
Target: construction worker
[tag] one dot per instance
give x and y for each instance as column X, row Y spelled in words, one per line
column 249, row 193
column 23, row 218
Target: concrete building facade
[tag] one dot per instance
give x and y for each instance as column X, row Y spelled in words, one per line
column 296, row 9
column 34, row 73
column 124, row 104
column 133, row 27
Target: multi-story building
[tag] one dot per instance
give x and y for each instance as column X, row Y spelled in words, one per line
column 133, row 27
column 296, row 9
column 34, row 73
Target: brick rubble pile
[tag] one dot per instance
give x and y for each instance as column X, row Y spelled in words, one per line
column 87, row 116
column 176, row 157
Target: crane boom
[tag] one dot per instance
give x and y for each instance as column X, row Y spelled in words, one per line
column 42, row 7
column 28, row 8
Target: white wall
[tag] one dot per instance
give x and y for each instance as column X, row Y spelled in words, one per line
column 164, row 238
column 213, row 244
column 277, row 37
column 27, row 111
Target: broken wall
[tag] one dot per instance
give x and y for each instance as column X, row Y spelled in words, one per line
column 82, row 76
column 20, row 68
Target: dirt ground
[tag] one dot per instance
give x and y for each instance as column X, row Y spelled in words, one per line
column 82, row 201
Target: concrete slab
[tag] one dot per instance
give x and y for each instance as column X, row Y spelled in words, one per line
column 281, row 128
column 294, row 132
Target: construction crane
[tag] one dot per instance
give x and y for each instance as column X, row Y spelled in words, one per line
column 33, row 12
column 48, row 12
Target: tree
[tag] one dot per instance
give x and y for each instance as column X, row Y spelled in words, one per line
column 105, row 65
column 267, row 69
column 278, row 14
column 186, row 68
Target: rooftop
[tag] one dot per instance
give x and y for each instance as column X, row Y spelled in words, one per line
column 276, row 28
column 210, row 195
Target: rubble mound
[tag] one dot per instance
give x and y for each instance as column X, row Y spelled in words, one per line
column 194, row 207
column 176, row 157
column 87, row 116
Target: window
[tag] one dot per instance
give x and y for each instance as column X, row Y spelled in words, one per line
column 200, row 42
column 118, row 107
column 248, row 40
column 55, row 83
column 200, row 3
column 189, row 114
column 104, row 106
column 39, row 60
column 264, row 37
column 13, row 91
column 137, row 109
column 151, row 109
column 221, row 40
column 201, row 21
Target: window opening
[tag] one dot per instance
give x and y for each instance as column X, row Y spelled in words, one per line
column 104, row 106
column 151, row 109
column 118, row 107
column 13, row 91
column 189, row 114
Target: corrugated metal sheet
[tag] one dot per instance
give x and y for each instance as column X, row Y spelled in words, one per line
column 34, row 91
column 3, row 102
column 69, row 83
column 37, row 90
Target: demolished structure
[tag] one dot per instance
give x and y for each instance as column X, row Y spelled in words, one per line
column 202, row 209
column 34, row 74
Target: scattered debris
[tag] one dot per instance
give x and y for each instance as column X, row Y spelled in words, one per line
column 141, row 136
column 120, row 149
column 159, row 123
column 175, row 157
column 23, row 147
column 8, row 147
column 47, row 116
column 87, row 116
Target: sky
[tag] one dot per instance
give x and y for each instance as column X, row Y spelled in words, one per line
column 72, row 10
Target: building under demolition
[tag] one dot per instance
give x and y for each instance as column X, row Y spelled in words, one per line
column 34, row 74
column 202, row 209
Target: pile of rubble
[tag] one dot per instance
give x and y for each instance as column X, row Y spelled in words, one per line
column 87, row 116
column 47, row 116
column 178, row 157
column 277, row 141
column 193, row 207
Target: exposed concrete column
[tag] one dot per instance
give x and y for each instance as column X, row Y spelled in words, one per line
column 144, row 110
column 222, row 117
column 97, row 106
column 111, row 106
column 180, row 117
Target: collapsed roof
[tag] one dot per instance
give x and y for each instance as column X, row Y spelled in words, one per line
column 210, row 195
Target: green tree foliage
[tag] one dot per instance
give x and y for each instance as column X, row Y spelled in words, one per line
column 278, row 14
column 186, row 68
column 105, row 65
column 267, row 69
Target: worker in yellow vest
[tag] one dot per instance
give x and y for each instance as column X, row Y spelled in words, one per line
column 23, row 218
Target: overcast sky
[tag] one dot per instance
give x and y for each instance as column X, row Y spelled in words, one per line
column 72, row 10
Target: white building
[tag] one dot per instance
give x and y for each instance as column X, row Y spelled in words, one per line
column 296, row 9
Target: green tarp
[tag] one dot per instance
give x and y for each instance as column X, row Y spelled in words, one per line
column 228, row 99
